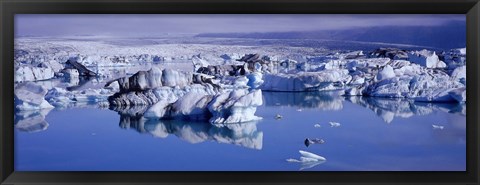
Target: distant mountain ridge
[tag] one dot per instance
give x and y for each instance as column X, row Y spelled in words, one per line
column 446, row 36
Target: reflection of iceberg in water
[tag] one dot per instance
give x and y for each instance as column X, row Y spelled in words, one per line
column 242, row 134
column 318, row 100
column 388, row 109
column 31, row 121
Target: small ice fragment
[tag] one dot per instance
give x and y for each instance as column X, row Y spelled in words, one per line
column 437, row 127
column 299, row 110
column 334, row 124
column 317, row 125
column 308, row 160
column 278, row 116
column 308, row 141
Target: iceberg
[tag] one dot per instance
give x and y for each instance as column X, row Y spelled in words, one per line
column 236, row 106
column 431, row 87
column 30, row 96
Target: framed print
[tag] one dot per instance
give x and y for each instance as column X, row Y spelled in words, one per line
column 252, row 92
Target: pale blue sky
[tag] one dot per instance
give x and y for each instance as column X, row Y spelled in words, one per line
column 158, row 24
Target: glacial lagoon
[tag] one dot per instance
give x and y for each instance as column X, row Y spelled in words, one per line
column 375, row 134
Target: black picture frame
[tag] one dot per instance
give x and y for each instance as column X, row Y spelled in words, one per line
column 11, row 7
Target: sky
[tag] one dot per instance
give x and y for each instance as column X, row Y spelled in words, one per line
column 160, row 24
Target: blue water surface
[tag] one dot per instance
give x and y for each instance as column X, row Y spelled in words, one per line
column 374, row 135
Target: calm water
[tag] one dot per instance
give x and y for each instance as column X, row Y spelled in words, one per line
column 375, row 135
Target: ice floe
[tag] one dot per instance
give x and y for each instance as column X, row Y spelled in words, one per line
column 438, row 127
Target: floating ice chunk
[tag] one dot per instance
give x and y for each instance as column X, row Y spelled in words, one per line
column 30, row 96
column 334, row 124
column 299, row 110
column 308, row 160
column 438, row 127
column 236, row 106
column 317, row 125
column 308, row 141
column 310, row 155
column 278, row 116
column 428, row 87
